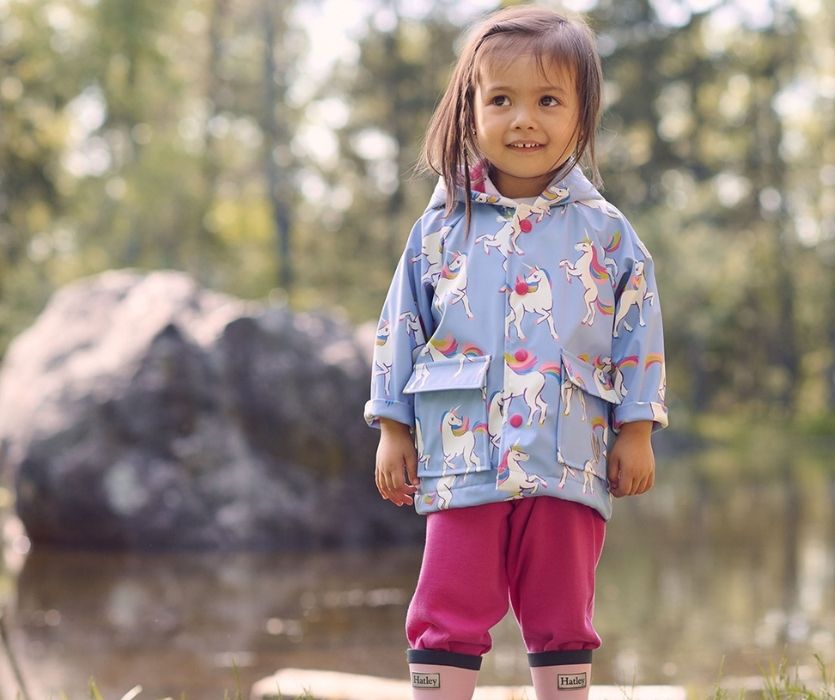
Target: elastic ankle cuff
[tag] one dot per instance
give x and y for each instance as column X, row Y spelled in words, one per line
column 559, row 658
column 443, row 658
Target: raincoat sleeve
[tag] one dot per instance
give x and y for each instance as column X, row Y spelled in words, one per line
column 638, row 336
column 406, row 322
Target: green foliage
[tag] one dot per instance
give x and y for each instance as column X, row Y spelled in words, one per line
column 141, row 134
column 780, row 683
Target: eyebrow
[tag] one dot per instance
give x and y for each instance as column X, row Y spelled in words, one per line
column 538, row 88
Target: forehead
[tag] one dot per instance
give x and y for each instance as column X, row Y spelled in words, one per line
column 509, row 68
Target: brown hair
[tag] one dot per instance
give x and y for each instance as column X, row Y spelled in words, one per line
column 450, row 146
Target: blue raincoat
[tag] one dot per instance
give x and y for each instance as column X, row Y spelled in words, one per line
column 512, row 352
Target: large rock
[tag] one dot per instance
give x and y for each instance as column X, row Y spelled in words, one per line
column 141, row 410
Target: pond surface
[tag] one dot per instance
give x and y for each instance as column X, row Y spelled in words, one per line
column 699, row 577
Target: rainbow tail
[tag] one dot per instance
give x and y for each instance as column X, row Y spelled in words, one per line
column 550, row 368
column 606, row 309
column 480, row 428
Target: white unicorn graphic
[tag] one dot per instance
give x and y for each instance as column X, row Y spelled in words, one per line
column 566, row 470
column 513, row 479
column 567, row 390
column 458, row 440
column 636, row 293
column 506, row 239
column 533, row 293
column 602, row 382
column 431, row 248
column 453, row 283
column 442, row 494
column 414, row 328
column 423, row 458
column 589, row 474
column 617, row 379
column 495, row 418
column 662, row 387
column 590, row 273
column 601, row 205
column 383, row 354
column 542, row 205
column 529, row 386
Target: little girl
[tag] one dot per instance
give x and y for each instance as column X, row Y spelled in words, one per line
column 522, row 324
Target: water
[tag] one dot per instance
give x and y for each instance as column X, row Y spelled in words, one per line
column 703, row 574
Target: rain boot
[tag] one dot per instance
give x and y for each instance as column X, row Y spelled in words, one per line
column 442, row 675
column 561, row 675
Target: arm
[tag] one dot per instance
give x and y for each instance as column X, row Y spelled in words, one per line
column 638, row 359
column 406, row 322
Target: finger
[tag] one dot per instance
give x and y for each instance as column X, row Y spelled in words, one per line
column 411, row 471
column 613, row 472
column 388, row 491
column 400, row 489
column 391, row 487
column 396, row 478
column 625, row 484
column 379, row 482
column 641, row 486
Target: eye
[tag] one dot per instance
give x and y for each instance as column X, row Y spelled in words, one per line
column 549, row 101
column 499, row 100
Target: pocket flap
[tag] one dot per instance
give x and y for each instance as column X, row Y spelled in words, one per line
column 464, row 372
column 589, row 378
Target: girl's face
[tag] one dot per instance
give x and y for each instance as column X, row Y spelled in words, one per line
column 526, row 123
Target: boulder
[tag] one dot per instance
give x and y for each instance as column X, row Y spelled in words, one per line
column 140, row 410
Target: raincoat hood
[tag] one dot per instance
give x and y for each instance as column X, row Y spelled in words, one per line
column 573, row 187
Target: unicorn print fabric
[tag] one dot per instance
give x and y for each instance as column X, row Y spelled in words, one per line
column 513, row 351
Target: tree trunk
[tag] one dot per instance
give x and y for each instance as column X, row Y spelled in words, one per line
column 276, row 146
column 219, row 11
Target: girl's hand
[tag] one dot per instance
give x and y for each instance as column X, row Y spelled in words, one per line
column 631, row 464
column 396, row 458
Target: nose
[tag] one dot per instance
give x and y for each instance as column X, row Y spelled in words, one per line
column 523, row 118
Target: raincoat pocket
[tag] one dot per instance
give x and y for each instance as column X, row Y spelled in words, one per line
column 451, row 415
column 587, row 397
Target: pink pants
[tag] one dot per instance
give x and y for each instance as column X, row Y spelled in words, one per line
column 539, row 552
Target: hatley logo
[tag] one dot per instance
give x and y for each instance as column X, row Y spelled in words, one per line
column 426, row 680
column 571, row 681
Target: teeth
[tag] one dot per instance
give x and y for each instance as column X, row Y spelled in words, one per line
column 524, row 145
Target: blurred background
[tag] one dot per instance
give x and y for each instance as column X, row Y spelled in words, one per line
column 263, row 150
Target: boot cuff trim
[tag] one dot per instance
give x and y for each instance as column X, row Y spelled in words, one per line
column 443, row 658
column 560, row 658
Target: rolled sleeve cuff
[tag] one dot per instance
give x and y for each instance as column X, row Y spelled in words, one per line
column 641, row 410
column 382, row 408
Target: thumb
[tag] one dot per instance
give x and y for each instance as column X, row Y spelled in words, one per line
column 411, row 468
column 613, row 469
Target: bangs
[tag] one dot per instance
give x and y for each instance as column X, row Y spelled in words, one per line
column 554, row 52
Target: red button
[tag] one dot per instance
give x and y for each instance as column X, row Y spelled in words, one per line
column 525, row 226
column 521, row 355
column 521, row 287
column 515, row 420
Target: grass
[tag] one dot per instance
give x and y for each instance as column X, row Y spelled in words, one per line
column 781, row 684
column 777, row 683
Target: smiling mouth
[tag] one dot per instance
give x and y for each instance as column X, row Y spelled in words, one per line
column 525, row 146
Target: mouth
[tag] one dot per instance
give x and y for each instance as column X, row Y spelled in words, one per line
column 525, row 145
